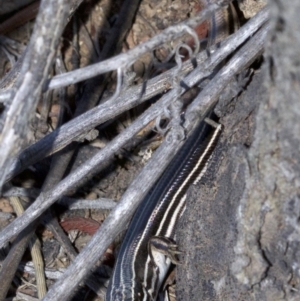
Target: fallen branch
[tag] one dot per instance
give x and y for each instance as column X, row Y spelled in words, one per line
column 130, row 98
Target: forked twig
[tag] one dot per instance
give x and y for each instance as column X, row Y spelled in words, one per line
column 122, row 213
column 130, row 98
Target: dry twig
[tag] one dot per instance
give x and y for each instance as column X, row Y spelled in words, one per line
column 31, row 87
column 130, row 98
column 122, row 213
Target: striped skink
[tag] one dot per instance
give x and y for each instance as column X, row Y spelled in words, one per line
column 148, row 248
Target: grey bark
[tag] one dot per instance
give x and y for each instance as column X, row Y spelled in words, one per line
column 240, row 233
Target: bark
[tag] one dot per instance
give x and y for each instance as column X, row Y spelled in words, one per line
column 240, row 233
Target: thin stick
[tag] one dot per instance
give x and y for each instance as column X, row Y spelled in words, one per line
column 121, row 214
column 34, row 72
column 19, row 18
column 128, row 58
column 35, row 250
column 94, row 164
column 12, row 260
column 64, row 135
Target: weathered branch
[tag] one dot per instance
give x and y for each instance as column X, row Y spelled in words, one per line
column 34, row 72
column 128, row 58
column 131, row 98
